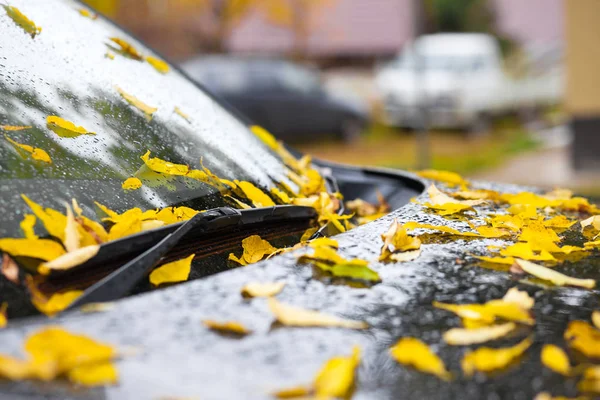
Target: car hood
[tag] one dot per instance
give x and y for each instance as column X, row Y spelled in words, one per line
column 175, row 355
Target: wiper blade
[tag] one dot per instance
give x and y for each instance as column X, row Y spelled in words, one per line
column 120, row 282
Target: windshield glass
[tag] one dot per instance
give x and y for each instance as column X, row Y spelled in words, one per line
column 82, row 70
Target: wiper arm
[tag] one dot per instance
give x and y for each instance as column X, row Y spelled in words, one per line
column 120, row 282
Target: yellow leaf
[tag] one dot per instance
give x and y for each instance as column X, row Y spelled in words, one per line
column 480, row 194
column 90, row 226
column 158, row 64
column 134, row 101
column 255, row 249
column 72, row 236
column 512, row 222
column 64, row 128
column 99, row 374
column 489, row 311
column 559, row 222
column 14, row 369
column 43, row 249
column 36, row 154
column 132, row 183
column 14, row 127
column 20, row 19
column 446, row 229
column 265, row 136
column 109, row 55
column 97, row 307
column 553, row 276
column 262, row 289
column 463, row 337
column 323, row 242
column 336, row 377
column 127, row 48
column 413, row 352
column 176, row 271
column 596, row 320
column 397, row 240
column 584, row 338
column 526, row 198
column 27, row 226
column 56, row 303
column 282, row 196
column 486, row 359
column 525, row 251
column 294, row 392
column 129, row 225
column 296, row 316
column 556, row 359
column 559, row 194
column 405, row 256
column 164, row 167
column 524, row 211
column 183, row 115
column 254, row 194
column 151, row 224
column 355, row 269
column 491, row 232
column 449, row 178
column 446, row 205
column 514, row 295
column 497, row 260
column 69, row 260
column 3, row 317
column 53, row 221
column 228, row 327
column 87, row 13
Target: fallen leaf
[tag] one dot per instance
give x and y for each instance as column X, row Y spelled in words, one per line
column 350, row 269
column 72, row 237
column 20, row 19
column 99, row 374
column 486, row 359
column 405, row 256
column 447, row 177
column 323, row 242
column 553, row 276
column 489, row 312
column 134, row 101
column 255, row 249
column 158, row 64
column 463, row 337
column 127, row 48
column 227, row 327
column 556, row 359
column 164, row 167
column 27, row 226
column 584, row 338
column 10, row 269
column 296, row 316
column 526, row 251
column 109, row 55
column 36, row 154
column 132, row 183
column 559, row 222
column 265, row 136
column 56, row 303
column 176, row 271
column 14, row 127
column 596, row 320
column 511, row 222
column 336, row 377
column 64, row 128
column 69, row 260
column 397, row 240
column 281, row 195
column 413, row 352
column 523, row 211
column 97, row 307
column 296, row 392
column 183, row 115
column 87, row 13
column 3, row 315
column 262, row 289
column 254, row 194
column 43, row 249
column 480, row 194
column 520, row 297
column 491, row 232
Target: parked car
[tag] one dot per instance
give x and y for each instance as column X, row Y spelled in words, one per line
column 461, row 79
column 287, row 99
column 89, row 112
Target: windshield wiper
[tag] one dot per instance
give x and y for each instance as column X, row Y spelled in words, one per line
column 120, row 282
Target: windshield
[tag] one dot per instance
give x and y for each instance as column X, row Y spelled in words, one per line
column 131, row 102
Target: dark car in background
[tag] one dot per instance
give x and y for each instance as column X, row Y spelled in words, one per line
column 286, row 98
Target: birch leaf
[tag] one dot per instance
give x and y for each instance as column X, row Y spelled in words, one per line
column 323, row 242
column 446, row 205
column 36, row 154
column 43, row 249
column 158, row 64
column 164, row 167
column 64, row 128
column 134, row 101
column 296, row 392
column 176, row 271
column 262, row 289
column 22, row 21
column 486, row 359
column 397, row 240
column 99, row 374
column 56, row 303
column 265, row 136
column 226, row 327
column 556, row 359
column 296, row 316
column 72, row 237
column 463, row 337
column 553, row 276
column 447, row 177
column 281, row 195
column 127, row 48
column 353, row 269
column 413, row 352
column 336, row 377
column 584, row 338
column 127, row 226
column 69, row 260
column 255, row 249
column 255, row 195
column 132, row 183
column 14, row 127
column 27, row 226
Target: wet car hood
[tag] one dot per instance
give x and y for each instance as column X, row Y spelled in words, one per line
column 170, row 352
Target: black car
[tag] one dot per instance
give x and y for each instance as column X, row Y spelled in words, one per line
column 286, row 98
column 162, row 172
